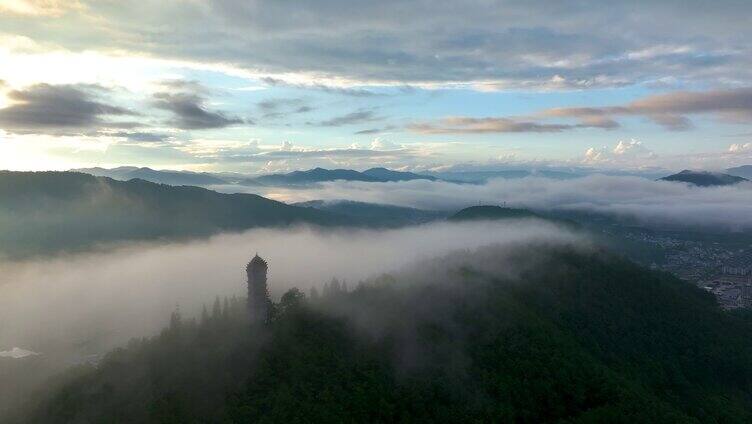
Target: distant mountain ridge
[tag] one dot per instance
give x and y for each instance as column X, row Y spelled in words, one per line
column 320, row 175
column 176, row 178
column 704, row 178
column 744, row 171
column 373, row 214
column 390, row 175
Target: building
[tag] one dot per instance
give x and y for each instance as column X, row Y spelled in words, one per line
column 739, row 266
column 259, row 305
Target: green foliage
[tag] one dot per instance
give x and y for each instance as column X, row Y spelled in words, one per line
column 575, row 338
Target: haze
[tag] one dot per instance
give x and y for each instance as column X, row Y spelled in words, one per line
column 83, row 304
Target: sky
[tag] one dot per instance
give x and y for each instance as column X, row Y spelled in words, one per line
column 273, row 86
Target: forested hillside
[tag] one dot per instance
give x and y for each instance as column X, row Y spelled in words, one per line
column 535, row 335
column 43, row 212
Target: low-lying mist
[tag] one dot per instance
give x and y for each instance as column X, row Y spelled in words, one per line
column 87, row 303
column 658, row 203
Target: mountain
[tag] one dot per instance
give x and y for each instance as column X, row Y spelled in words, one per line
column 533, row 334
column 384, row 174
column 744, row 171
column 316, row 175
column 177, row 178
column 372, row 214
column 51, row 211
column 319, row 175
column 704, row 178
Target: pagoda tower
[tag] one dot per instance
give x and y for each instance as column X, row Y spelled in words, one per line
column 259, row 305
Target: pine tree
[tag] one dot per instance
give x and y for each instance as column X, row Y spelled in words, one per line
column 204, row 315
column 216, row 309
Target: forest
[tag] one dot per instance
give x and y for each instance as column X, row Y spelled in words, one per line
column 565, row 334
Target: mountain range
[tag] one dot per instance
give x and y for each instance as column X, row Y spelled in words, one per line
column 319, row 175
column 176, row 178
column 380, row 175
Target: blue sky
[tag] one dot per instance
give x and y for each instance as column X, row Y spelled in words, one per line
column 267, row 86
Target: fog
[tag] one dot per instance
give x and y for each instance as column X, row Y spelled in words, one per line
column 86, row 303
column 651, row 202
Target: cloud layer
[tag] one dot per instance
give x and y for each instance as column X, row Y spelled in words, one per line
column 657, row 203
column 89, row 302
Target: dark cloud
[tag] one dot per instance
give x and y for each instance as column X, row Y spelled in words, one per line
column 369, row 131
column 186, row 101
column 356, row 117
column 669, row 110
column 464, row 125
column 60, row 110
column 375, row 130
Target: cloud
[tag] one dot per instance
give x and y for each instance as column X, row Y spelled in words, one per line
column 277, row 107
column 60, row 110
column 40, row 7
column 17, row 353
column 352, row 118
column 660, row 204
column 532, row 45
column 465, row 125
column 140, row 136
column 190, row 113
column 669, row 110
column 292, row 153
column 740, row 148
column 625, row 153
column 370, row 131
column 381, row 144
column 185, row 100
column 344, row 91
